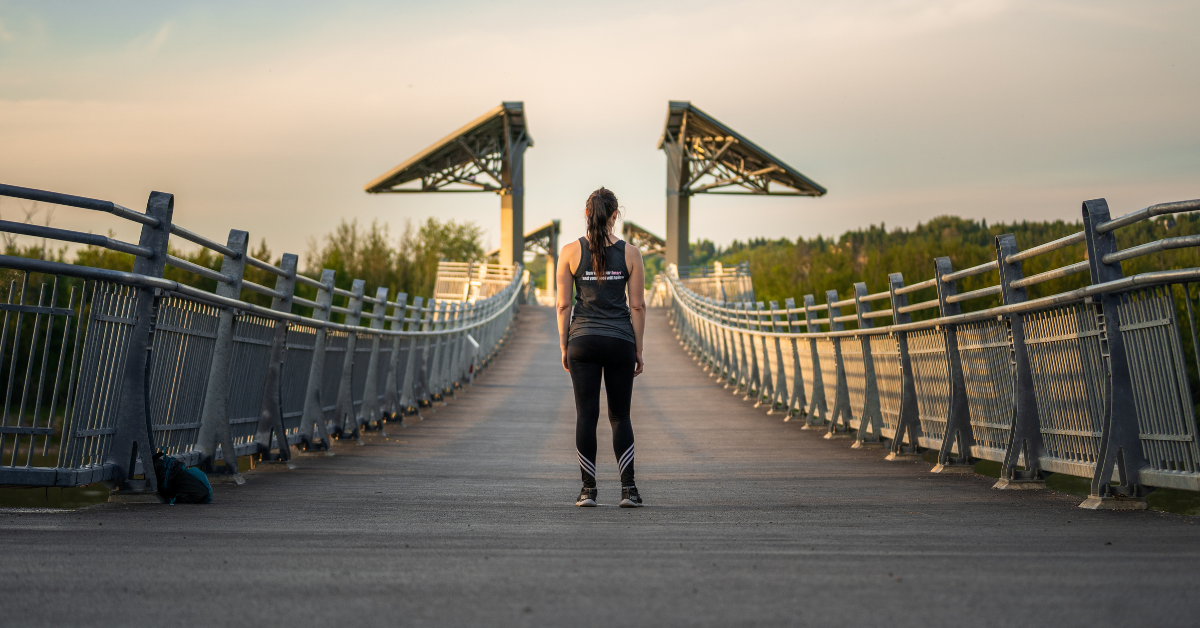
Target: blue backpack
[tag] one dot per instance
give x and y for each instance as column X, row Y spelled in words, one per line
column 179, row 484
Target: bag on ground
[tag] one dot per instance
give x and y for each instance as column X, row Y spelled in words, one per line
column 179, row 484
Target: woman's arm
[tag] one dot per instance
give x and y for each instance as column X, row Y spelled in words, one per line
column 637, row 299
column 564, row 284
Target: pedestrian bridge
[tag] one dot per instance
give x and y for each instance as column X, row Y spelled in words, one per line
column 464, row 515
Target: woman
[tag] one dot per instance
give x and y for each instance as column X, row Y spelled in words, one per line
column 602, row 337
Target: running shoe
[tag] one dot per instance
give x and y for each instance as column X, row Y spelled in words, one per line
column 587, row 498
column 630, row 497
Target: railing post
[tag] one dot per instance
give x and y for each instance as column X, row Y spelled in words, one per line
column 1120, row 457
column 424, row 399
column 779, row 397
column 728, row 374
column 314, row 414
column 909, row 423
column 872, row 416
column 370, row 404
column 1025, row 437
column 133, row 440
column 958, row 424
column 408, row 394
column 818, row 407
column 798, row 400
column 270, row 417
column 441, row 316
column 466, row 368
column 756, row 388
column 391, row 396
column 743, row 363
column 839, row 420
column 344, row 413
column 214, row 418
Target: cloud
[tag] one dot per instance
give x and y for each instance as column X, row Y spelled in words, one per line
column 149, row 44
column 903, row 109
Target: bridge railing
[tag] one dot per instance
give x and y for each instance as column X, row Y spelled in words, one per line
column 722, row 283
column 102, row 367
column 471, row 281
column 1091, row 382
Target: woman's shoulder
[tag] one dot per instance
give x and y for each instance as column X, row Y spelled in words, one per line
column 571, row 247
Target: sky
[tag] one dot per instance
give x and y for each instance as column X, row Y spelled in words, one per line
column 271, row 116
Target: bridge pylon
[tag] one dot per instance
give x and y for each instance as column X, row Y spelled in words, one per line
column 704, row 155
column 486, row 155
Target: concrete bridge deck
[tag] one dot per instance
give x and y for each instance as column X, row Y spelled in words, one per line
column 467, row 519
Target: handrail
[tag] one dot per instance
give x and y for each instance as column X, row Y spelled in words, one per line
column 1053, row 245
column 969, row 272
column 82, row 202
column 38, row 231
column 197, row 269
column 261, row 265
column 1176, row 207
column 1057, row 273
column 204, row 242
column 253, row 287
column 975, row 294
column 1158, row 246
column 1119, row 285
column 928, row 283
column 133, row 279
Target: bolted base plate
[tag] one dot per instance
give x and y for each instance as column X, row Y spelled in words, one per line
column 1027, row 485
column 837, row 435
column 953, row 468
column 1096, row 502
column 866, row 444
column 902, row 456
column 226, row 478
column 134, row 497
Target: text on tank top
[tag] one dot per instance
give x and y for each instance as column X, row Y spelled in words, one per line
column 601, row 307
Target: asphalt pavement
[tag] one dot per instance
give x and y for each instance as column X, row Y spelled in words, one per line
column 467, row 519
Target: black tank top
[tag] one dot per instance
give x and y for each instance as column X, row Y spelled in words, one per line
column 601, row 308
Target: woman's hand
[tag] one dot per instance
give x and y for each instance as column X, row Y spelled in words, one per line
column 637, row 369
column 566, row 365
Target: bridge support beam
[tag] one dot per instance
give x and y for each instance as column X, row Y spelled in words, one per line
column 958, row 424
column 678, row 206
column 313, row 417
column 214, row 418
column 818, row 407
column 839, row 419
column 1120, row 457
column 797, row 400
column 133, row 440
column 908, row 425
column 1022, row 460
column 270, row 417
column 870, row 424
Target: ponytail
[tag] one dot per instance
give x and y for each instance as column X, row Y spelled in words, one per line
column 601, row 206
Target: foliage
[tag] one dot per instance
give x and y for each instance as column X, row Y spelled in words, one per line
column 782, row 268
column 406, row 264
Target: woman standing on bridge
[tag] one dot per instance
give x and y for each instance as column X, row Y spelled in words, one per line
column 602, row 337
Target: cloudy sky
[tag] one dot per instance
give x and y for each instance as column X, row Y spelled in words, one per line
column 271, row 116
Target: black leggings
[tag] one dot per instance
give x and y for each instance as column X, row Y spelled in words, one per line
column 591, row 357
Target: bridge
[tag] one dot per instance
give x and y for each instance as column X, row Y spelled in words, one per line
column 407, row 459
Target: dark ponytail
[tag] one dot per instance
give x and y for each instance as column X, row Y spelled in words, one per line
column 601, row 206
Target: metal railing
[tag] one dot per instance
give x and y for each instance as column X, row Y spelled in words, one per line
column 103, row 367
column 1091, row 382
column 470, row 281
column 719, row 282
